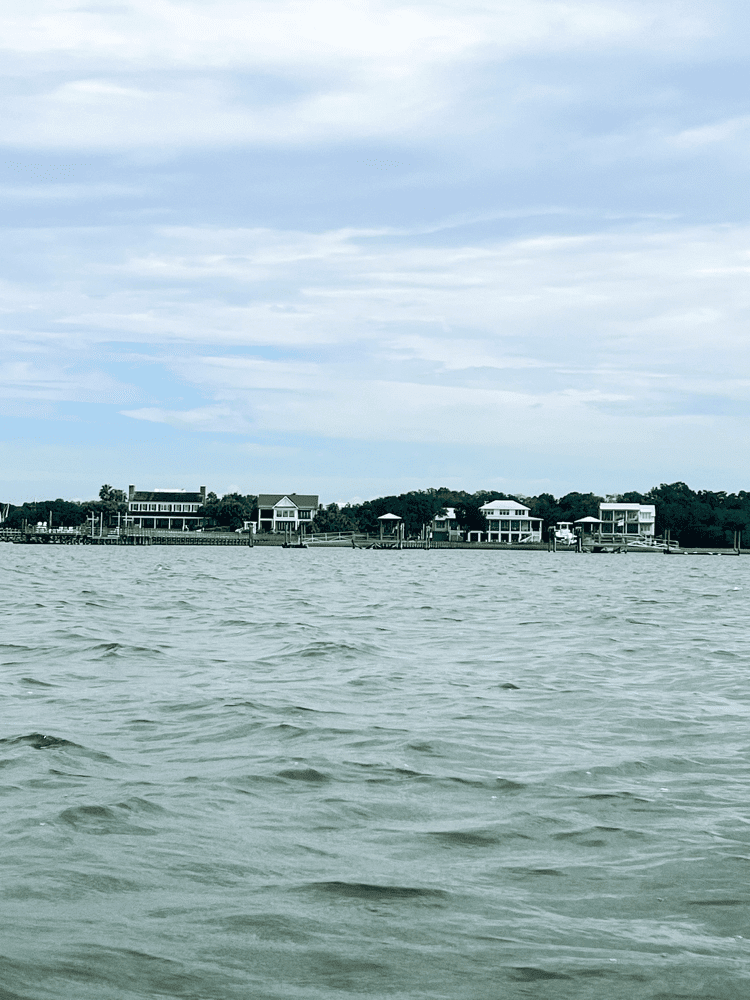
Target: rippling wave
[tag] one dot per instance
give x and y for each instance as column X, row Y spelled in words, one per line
column 233, row 773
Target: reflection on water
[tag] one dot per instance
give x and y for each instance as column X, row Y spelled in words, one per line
column 234, row 773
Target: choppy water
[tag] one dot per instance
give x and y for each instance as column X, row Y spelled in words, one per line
column 247, row 773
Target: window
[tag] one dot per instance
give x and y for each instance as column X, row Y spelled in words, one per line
column 514, row 526
column 606, row 515
column 304, row 515
column 177, row 506
column 632, row 515
column 506, row 525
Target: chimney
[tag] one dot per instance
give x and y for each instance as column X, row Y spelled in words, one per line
column 131, row 492
column 202, row 492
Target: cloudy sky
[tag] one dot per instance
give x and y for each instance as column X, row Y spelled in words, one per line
column 353, row 248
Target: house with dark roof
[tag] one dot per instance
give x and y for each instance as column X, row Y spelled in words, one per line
column 286, row 511
column 174, row 510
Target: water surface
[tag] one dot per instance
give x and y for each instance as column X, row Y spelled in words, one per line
column 250, row 773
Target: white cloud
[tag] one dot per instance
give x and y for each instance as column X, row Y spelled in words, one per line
column 22, row 380
column 392, row 336
column 390, row 34
column 259, row 397
column 66, row 192
column 163, row 74
column 713, row 133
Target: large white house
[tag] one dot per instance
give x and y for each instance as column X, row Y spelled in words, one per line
column 627, row 519
column 286, row 511
column 508, row 521
column 170, row 509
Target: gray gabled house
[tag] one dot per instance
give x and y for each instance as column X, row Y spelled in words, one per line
column 286, row 511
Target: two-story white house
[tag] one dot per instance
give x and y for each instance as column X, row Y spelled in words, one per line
column 286, row 511
column 636, row 519
column 508, row 521
column 165, row 509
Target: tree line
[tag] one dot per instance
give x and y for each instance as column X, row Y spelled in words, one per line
column 68, row 513
column 700, row 518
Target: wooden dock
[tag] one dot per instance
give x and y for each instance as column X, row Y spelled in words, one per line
column 39, row 536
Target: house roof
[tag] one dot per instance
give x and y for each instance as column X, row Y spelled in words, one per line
column 389, row 517
column 167, row 496
column 449, row 515
column 588, row 520
column 504, row 503
column 627, row 506
column 305, row 500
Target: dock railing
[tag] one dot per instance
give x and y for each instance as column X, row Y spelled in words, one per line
column 321, row 537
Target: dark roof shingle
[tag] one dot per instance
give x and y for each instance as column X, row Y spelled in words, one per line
column 306, row 500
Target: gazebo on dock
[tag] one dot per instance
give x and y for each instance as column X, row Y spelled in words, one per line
column 588, row 524
column 392, row 522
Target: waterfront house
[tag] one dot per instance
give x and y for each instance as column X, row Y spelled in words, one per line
column 508, row 521
column 175, row 510
column 444, row 527
column 629, row 519
column 286, row 511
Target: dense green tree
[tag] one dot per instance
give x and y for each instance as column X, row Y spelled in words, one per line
column 469, row 516
column 547, row 509
column 111, row 503
column 110, row 498
column 416, row 509
column 575, row 505
column 65, row 513
column 333, row 519
column 703, row 518
column 230, row 511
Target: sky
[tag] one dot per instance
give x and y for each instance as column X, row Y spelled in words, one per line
column 357, row 248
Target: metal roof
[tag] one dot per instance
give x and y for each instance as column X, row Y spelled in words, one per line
column 504, row 503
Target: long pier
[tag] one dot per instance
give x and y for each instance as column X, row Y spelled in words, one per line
column 62, row 536
column 40, row 536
